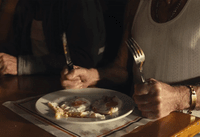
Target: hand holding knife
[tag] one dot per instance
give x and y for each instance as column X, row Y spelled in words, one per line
column 66, row 52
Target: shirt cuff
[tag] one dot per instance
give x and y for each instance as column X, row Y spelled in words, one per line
column 28, row 65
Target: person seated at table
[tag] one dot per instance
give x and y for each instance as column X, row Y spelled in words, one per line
column 38, row 26
column 168, row 33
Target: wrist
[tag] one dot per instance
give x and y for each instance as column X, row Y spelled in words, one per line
column 183, row 98
column 94, row 76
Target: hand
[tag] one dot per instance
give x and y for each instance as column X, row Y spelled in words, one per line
column 78, row 78
column 156, row 99
column 8, row 64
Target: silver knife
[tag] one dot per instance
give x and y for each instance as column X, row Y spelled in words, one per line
column 66, row 52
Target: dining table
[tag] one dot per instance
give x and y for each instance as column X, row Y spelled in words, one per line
column 14, row 88
column 18, row 117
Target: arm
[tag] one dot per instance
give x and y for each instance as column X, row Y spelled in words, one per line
column 85, row 30
column 120, row 71
column 24, row 61
column 117, row 73
column 48, row 64
column 84, row 50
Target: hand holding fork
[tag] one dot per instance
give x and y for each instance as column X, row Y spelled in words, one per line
column 154, row 99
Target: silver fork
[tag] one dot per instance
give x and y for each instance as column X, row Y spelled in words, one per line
column 138, row 56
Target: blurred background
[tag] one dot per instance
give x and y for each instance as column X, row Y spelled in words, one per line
column 113, row 15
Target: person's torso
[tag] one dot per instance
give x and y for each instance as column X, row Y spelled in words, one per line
column 172, row 49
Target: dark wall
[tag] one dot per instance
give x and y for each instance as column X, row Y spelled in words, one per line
column 114, row 15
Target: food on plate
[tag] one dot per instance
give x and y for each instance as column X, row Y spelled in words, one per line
column 107, row 105
column 57, row 110
column 80, row 107
column 76, row 107
column 76, row 104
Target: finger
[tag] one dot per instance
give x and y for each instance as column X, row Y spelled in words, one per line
column 75, row 73
column 1, row 63
column 144, row 99
column 146, row 88
column 63, row 79
column 3, row 71
column 76, row 67
column 66, row 70
column 75, row 80
column 152, row 106
column 71, row 83
column 140, row 89
column 63, row 73
column 74, row 87
column 2, row 68
column 151, row 81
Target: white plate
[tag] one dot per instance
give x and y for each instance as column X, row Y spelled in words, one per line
column 88, row 93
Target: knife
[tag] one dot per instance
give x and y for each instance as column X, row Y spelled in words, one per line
column 66, row 52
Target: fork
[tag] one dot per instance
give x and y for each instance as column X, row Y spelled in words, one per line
column 138, row 56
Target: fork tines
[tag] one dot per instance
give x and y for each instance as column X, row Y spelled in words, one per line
column 138, row 56
column 134, row 47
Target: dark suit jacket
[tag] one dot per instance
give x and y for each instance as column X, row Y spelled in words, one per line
column 83, row 22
